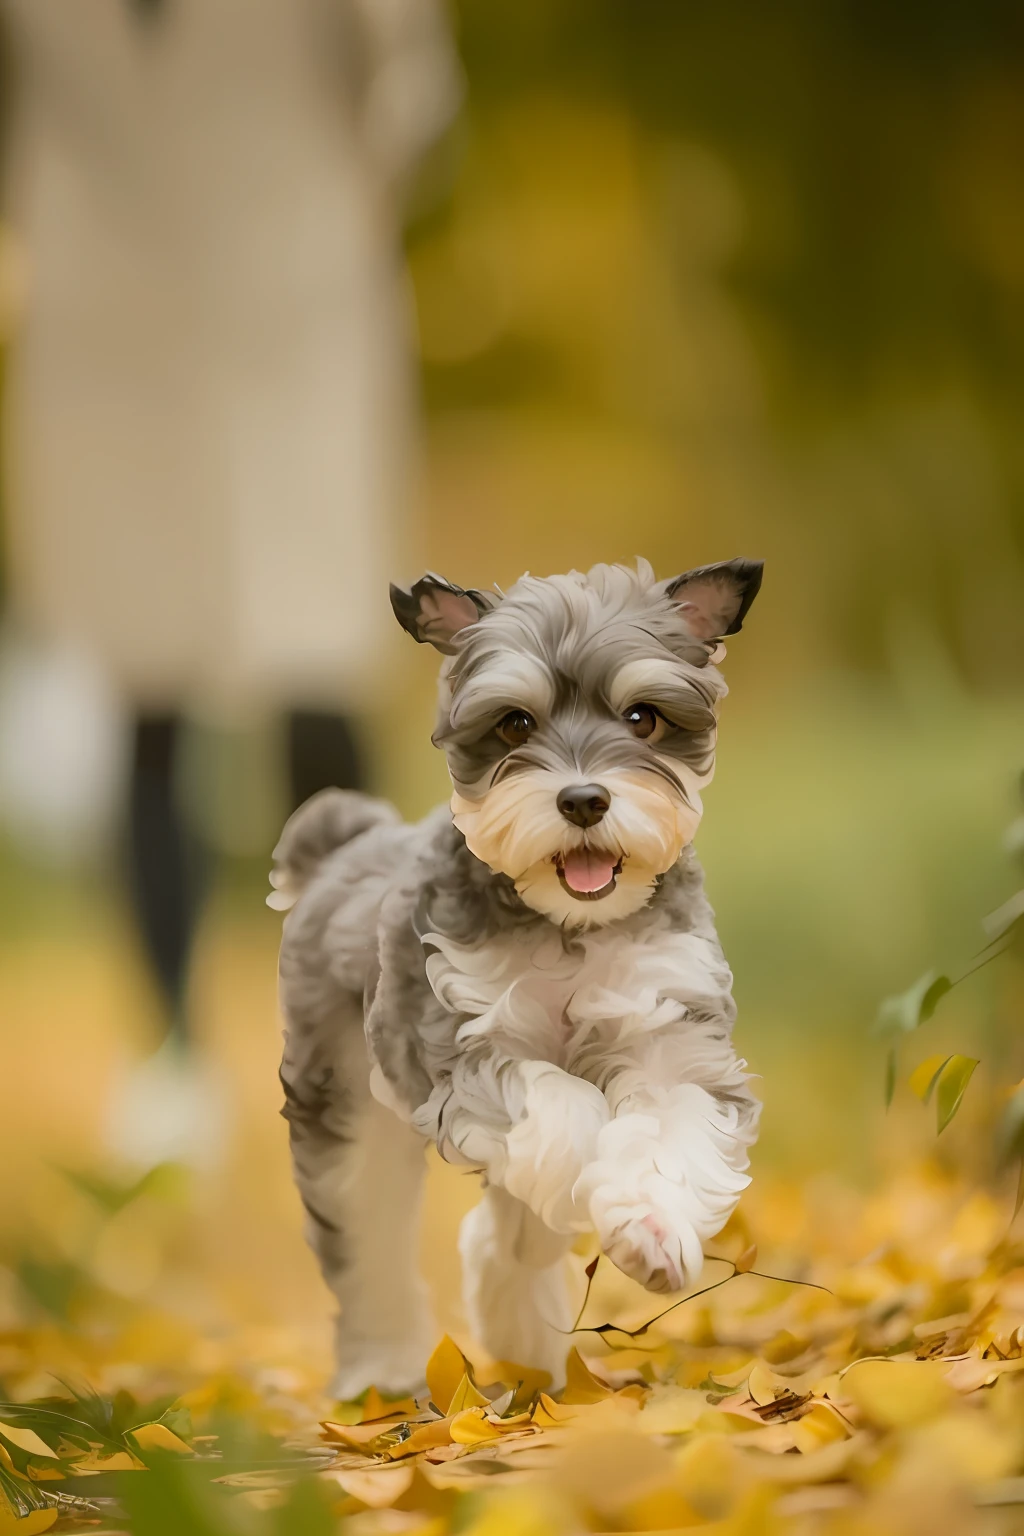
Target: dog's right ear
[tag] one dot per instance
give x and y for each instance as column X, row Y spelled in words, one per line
column 435, row 610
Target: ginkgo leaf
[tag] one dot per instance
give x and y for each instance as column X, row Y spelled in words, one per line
column 897, row 1393
column 581, row 1385
column 747, row 1259
column 423, row 1438
column 445, row 1370
column 157, row 1437
column 762, row 1383
column 25, row 1439
column 904, row 1012
column 25, row 1525
column 820, row 1427
column 924, row 1077
column 952, row 1085
column 466, row 1395
column 472, row 1427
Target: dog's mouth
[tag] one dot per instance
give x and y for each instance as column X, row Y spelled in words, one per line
column 588, row 874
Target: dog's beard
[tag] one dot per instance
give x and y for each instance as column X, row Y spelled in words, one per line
column 515, row 828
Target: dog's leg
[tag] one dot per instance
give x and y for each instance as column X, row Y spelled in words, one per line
column 516, row 1283
column 671, row 1163
column 359, row 1171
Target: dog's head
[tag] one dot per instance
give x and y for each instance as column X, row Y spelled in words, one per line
column 578, row 717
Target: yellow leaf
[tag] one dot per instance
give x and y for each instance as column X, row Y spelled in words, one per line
column 26, row 1440
column 581, row 1385
column 445, row 1370
column 785, row 1346
column 157, row 1437
column 711, row 1476
column 953, row 1080
column 718, row 1421
column 672, row 1410
column 24, row 1525
column 820, row 1427
column 548, row 1414
column 377, row 1488
column 377, row 1407
column 527, row 1379
column 613, row 1467
column 923, row 1078
column 423, row 1438
column 471, row 1426
column 894, row 1393
column 747, row 1260
column 120, row 1461
column 761, row 1385
column 356, row 1437
column 465, row 1396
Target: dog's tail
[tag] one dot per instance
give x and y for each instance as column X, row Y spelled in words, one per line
column 327, row 821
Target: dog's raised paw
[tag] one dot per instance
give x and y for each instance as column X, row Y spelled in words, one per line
column 650, row 1251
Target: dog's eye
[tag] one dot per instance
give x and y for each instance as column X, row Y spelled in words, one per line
column 645, row 722
column 516, row 727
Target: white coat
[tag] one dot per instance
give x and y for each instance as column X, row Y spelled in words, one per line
column 210, row 401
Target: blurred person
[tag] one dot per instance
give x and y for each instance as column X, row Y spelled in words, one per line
column 209, row 406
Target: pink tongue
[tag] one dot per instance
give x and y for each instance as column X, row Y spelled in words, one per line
column 586, row 871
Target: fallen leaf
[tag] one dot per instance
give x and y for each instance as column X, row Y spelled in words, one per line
column 377, row 1487
column 25, row 1525
column 26, row 1440
column 896, row 1393
column 818, row 1428
column 581, row 1385
column 446, row 1370
column 157, row 1437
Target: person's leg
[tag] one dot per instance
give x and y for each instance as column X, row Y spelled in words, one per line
column 170, row 1107
column 166, row 867
column 322, row 753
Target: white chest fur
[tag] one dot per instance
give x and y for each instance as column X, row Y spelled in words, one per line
column 544, row 995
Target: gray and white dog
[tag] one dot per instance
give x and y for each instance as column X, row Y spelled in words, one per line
column 530, row 979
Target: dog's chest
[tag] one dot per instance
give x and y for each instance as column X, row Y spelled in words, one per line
column 543, row 994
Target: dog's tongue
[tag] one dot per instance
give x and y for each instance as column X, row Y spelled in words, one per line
column 587, row 871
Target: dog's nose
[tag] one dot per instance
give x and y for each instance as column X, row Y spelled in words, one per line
column 583, row 804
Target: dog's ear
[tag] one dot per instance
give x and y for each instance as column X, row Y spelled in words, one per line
column 435, row 610
column 714, row 599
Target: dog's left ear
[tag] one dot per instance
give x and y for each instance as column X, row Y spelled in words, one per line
column 714, row 599
column 435, row 610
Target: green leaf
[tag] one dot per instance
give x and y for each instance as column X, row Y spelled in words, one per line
column 903, row 1013
column 1005, row 918
column 1010, row 1135
column 952, row 1085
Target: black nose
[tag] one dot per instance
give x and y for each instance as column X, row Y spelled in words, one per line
column 583, row 804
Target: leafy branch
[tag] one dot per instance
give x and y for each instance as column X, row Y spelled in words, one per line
column 946, row 1076
column 741, row 1266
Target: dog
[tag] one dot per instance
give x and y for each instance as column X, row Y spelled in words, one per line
column 529, row 978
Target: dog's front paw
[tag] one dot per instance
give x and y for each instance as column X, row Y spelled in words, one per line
column 648, row 1250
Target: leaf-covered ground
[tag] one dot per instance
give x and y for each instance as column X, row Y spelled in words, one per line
column 890, row 1399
